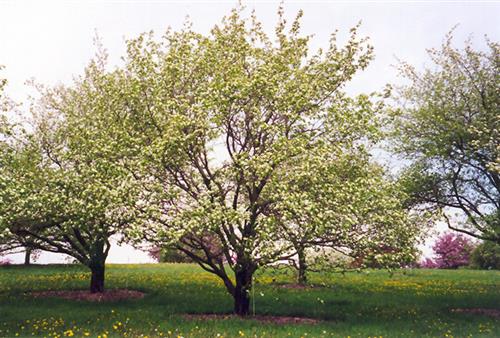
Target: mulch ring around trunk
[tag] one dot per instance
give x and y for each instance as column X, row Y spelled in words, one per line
column 107, row 296
column 281, row 320
column 495, row 313
column 296, row 286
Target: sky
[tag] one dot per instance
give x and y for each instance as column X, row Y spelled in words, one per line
column 52, row 41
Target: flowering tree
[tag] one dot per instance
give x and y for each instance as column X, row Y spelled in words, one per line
column 450, row 252
column 9, row 243
column 347, row 205
column 62, row 187
column 12, row 243
column 449, row 127
column 5, row 126
column 227, row 124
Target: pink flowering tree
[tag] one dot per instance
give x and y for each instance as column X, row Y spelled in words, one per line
column 450, row 252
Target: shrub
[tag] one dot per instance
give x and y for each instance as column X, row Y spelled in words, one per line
column 486, row 256
column 168, row 255
column 174, row 256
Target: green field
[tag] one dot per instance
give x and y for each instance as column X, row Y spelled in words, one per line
column 410, row 303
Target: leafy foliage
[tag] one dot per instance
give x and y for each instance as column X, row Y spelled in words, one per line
column 449, row 127
column 232, row 126
column 62, row 188
column 349, row 206
column 486, row 256
column 168, row 255
column 9, row 243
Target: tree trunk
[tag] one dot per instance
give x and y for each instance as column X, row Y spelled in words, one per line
column 97, row 279
column 97, row 265
column 27, row 256
column 302, row 263
column 242, row 292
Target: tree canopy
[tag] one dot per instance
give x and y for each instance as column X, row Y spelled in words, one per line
column 63, row 188
column 229, row 124
column 449, row 128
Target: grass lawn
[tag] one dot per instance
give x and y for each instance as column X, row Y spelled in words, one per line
column 410, row 303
